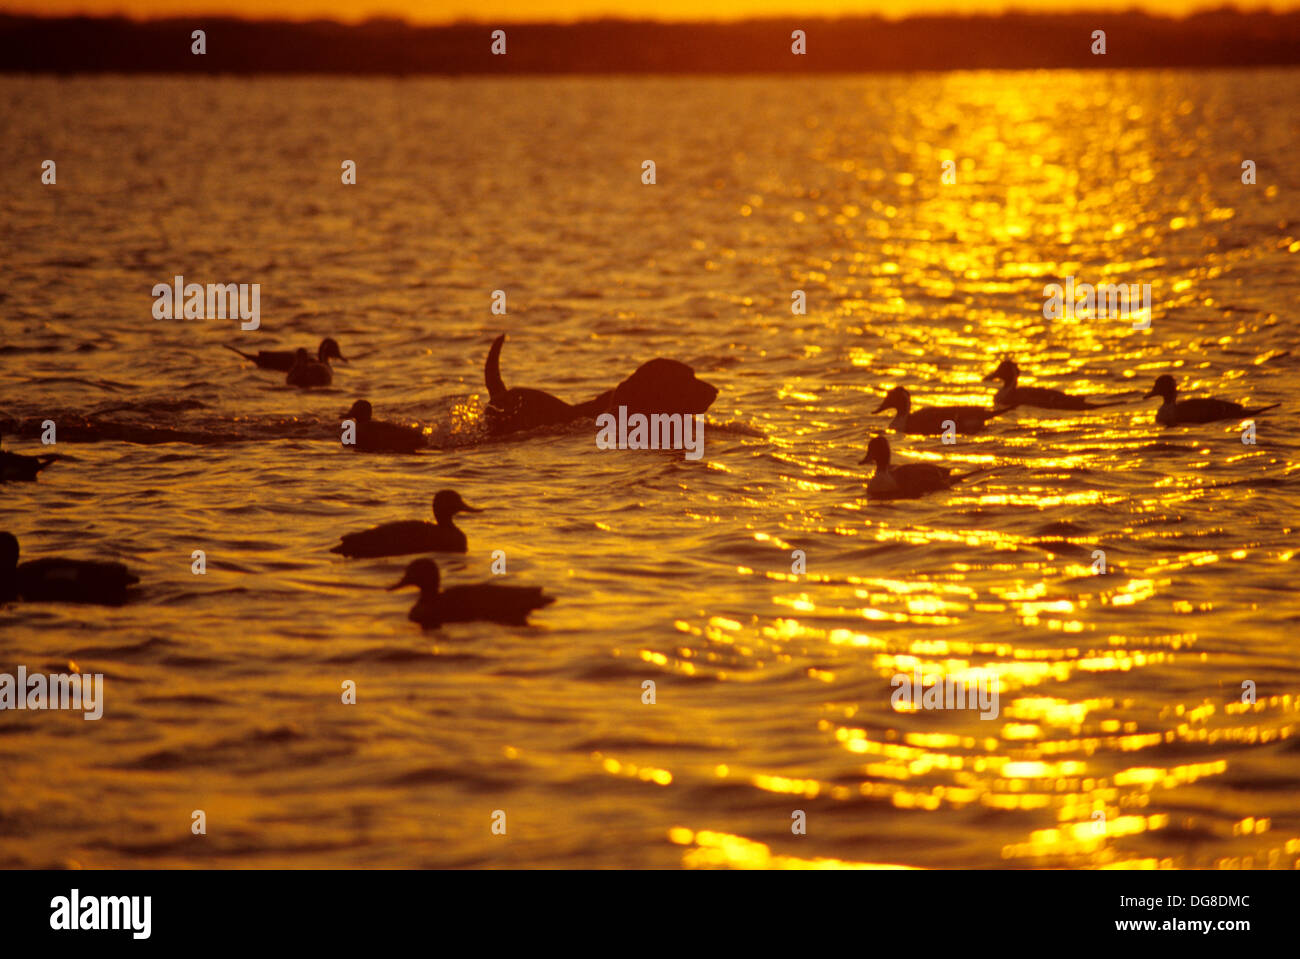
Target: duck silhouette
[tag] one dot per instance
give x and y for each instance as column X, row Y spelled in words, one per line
column 928, row 421
column 412, row 536
column 485, row 602
column 1176, row 412
column 906, row 480
column 1012, row 394
column 57, row 580
column 308, row 372
column 283, row 360
column 376, row 436
column 21, row 468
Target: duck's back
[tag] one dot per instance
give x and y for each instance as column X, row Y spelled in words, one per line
column 310, row 374
column 920, row 421
column 74, row 581
column 1043, row 398
column 401, row 537
column 930, row 420
column 376, row 437
column 281, row 360
column 921, row 477
column 1205, row 410
column 489, row 602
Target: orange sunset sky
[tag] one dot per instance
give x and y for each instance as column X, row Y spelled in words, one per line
column 442, row 11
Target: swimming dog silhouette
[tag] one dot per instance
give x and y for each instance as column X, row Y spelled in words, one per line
column 657, row 386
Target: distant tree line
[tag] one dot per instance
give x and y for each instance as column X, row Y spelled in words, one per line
column 1012, row 41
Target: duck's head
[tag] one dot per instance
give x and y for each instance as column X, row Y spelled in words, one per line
column 8, row 552
column 361, row 411
column 301, row 356
column 1165, row 387
column 877, row 452
column 329, row 350
column 1007, row 371
column 896, row 399
column 422, row 573
column 447, row 503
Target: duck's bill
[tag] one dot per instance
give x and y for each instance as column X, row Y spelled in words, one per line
column 865, row 459
column 991, row 376
column 399, row 584
column 1151, row 394
column 880, row 409
column 470, row 509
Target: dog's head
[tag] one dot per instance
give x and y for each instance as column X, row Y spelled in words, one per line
column 664, row 386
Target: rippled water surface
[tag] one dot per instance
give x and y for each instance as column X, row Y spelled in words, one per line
column 1119, row 694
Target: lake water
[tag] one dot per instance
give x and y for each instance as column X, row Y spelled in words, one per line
column 1119, row 694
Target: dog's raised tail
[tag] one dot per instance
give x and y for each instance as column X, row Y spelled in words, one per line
column 492, row 369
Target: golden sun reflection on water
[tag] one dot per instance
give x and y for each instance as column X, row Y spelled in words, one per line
column 1117, row 688
column 716, row 850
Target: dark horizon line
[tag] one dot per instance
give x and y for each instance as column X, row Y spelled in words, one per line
column 1225, row 37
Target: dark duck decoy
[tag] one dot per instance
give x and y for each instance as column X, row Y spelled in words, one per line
column 376, row 436
column 412, row 536
column 283, row 360
column 309, row 372
column 21, row 468
column 1041, row 397
column 928, row 421
column 486, row 602
column 1176, row 412
column 906, row 480
column 57, row 580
